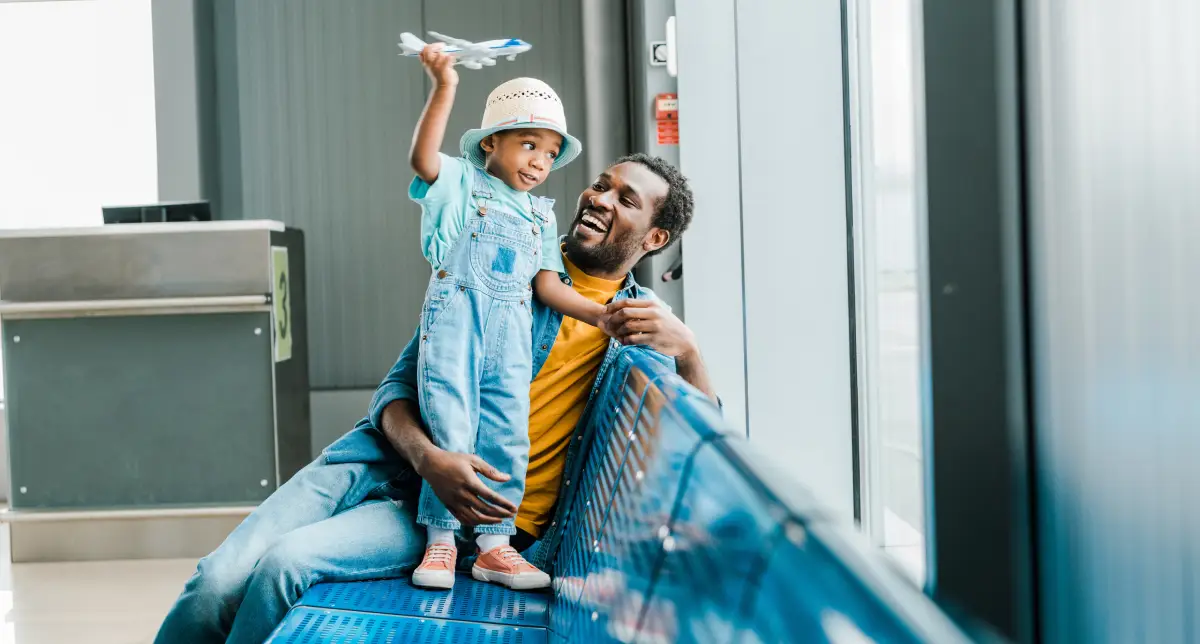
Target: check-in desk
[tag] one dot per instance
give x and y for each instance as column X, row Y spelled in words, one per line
column 156, row 383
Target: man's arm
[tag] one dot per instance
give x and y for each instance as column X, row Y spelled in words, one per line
column 691, row 368
column 649, row 323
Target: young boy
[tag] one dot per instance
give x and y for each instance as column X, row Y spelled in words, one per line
column 492, row 246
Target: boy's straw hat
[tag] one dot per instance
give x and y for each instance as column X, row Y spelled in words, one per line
column 521, row 103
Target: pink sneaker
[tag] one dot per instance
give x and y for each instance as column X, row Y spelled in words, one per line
column 437, row 568
column 505, row 566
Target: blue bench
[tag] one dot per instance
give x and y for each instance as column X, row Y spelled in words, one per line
column 679, row 534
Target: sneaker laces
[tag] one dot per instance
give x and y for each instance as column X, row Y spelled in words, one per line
column 439, row 553
column 510, row 556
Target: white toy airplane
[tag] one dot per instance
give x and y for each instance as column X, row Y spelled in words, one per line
column 469, row 54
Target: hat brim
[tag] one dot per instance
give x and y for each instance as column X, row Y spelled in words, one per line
column 469, row 144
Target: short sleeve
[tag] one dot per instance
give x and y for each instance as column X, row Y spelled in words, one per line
column 448, row 187
column 443, row 206
column 551, row 251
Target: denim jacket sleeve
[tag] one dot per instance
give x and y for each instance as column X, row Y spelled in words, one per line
column 399, row 384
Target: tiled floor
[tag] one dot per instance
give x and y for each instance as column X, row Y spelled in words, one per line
column 117, row 602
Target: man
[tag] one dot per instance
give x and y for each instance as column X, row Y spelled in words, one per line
column 351, row 514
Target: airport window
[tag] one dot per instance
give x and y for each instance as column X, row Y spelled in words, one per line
column 883, row 118
column 81, row 130
column 77, row 125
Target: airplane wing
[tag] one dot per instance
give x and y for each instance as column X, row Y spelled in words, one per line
column 465, row 45
column 410, row 44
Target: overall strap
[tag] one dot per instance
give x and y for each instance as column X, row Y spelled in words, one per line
column 543, row 208
column 481, row 188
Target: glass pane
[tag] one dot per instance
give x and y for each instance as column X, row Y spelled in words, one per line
column 884, row 123
column 77, row 123
column 80, row 130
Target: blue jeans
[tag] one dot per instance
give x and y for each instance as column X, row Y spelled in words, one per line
column 476, row 356
column 330, row 522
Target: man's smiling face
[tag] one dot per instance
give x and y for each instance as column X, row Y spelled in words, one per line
column 613, row 226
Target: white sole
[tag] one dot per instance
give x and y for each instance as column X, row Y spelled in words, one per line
column 515, row 582
column 435, row 579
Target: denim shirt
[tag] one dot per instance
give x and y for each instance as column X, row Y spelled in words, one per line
column 366, row 443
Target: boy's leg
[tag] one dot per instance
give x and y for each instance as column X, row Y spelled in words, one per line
column 206, row 608
column 503, row 436
column 503, row 441
column 377, row 539
column 448, row 390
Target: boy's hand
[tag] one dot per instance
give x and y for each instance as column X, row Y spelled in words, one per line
column 439, row 66
column 605, row 324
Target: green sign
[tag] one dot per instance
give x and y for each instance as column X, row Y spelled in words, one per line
column 282, row 315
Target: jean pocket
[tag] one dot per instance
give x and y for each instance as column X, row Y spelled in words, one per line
column 501, row 262
column 441, row 298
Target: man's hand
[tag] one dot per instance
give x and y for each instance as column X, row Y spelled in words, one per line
column 455, row 480
column 649, row 323
column 439, row 66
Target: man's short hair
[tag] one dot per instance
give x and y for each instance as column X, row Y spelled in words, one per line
column 674, row 213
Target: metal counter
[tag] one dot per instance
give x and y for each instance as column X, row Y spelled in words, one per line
column 155, row 368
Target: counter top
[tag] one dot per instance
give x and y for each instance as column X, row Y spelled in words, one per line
column 146, row 229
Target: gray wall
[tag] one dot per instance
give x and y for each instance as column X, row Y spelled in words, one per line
column 1115, row 145
column 794, row 250
column 316, row 113
column 710, row 157
column 176, row 104
column 3, row 455
column 762, row 135
column 647, row 23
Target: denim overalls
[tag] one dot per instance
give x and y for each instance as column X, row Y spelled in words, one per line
column 476, row 359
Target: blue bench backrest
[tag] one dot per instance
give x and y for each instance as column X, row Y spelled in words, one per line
column 677, row 537
column 677, row 534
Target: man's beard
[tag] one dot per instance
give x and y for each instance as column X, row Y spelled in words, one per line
column 607, row 257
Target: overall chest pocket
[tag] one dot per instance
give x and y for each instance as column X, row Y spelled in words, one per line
column 504, row 258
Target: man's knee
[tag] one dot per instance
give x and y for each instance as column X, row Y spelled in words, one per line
column 218, row 582
column 338, row 486
column 287, row 568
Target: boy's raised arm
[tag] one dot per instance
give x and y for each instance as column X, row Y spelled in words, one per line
column 431, row 128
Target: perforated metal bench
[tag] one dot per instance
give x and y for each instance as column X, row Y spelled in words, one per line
column 678, row 534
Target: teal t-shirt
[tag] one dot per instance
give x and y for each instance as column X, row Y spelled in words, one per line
column 447, row 203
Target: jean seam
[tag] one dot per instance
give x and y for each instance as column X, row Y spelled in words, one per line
column 501, row 528
column 397, row 568
column 430, row 521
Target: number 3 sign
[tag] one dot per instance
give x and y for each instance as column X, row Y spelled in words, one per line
column 282, row 313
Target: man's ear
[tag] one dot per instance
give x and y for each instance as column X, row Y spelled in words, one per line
column 656, row 239
column 488, row 144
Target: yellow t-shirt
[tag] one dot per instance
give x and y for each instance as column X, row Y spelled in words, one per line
column 557, row 398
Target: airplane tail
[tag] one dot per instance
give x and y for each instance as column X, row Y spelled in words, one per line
column 410, row 45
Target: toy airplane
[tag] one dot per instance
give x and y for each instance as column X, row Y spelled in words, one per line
column 469, row 54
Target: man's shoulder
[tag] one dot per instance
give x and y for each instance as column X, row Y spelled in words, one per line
column 643, row 293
